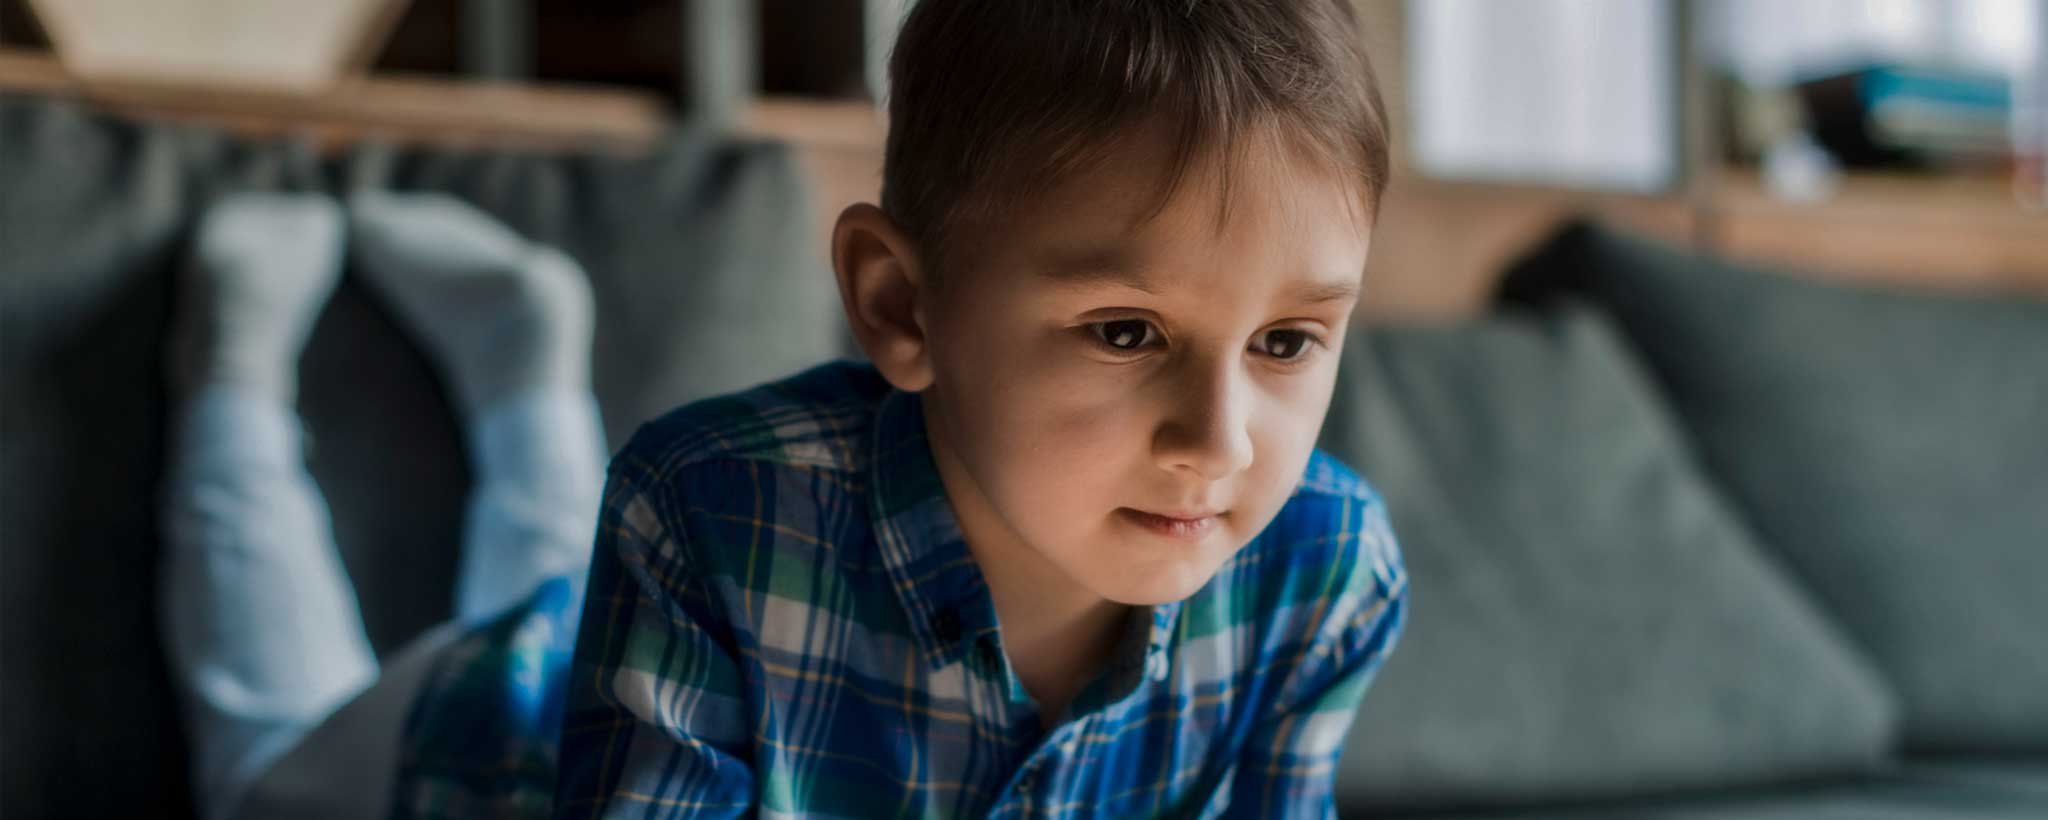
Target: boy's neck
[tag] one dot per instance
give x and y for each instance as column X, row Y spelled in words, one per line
column 1057, row 633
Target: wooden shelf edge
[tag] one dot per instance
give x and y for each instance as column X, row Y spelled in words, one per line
column 835, row 125
column 396, row 108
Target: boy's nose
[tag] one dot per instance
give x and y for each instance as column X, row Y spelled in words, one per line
column 1206, row 429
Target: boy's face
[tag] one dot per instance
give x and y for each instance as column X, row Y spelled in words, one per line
column 1126, row 401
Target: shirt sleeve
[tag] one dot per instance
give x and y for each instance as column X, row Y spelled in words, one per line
column 1289, row 762
column 655, row 722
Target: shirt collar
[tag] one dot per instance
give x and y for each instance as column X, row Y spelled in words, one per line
column 941, row 588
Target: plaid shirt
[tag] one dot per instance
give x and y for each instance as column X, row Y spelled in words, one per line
column 783, row 619
column 480, row 740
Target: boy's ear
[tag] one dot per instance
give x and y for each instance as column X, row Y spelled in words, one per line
column 883, row 290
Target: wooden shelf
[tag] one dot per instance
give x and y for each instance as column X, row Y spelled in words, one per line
column 832, row 125
column 1966, row 232
column 395, row 108
column 1981, row 201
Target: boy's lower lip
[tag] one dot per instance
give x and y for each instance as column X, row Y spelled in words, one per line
column 1189, row 529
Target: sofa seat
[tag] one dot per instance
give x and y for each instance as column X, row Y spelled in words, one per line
column 2015, row 789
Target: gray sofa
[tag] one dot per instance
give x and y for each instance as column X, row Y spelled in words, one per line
column 1688, row 541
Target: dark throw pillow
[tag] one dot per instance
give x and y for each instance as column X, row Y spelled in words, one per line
column 1589, row 619
column 1891, row 446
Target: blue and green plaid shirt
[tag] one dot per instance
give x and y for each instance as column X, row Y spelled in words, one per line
column 783, row 619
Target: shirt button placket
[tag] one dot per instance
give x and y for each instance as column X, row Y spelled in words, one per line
column 1028, row 784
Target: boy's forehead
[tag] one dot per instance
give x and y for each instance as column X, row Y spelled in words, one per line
column 1109, row 223
column 1299, row 281
column 1143, row 181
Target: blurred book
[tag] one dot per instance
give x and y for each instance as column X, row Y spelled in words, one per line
column 1894, row 116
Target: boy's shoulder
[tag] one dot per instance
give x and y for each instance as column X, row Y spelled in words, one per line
column 1334, row 502
column 817, row 419
column 1330, row 548
column 1327, row 478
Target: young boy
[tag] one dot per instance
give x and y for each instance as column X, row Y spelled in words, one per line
column 1065, row 548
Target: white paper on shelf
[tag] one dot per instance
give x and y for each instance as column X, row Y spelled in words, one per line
column 1581, row 93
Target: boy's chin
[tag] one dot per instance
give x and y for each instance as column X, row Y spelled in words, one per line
column 1143, row 600
column 1167, row 585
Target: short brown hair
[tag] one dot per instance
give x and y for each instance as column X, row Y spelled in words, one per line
column 991, row 100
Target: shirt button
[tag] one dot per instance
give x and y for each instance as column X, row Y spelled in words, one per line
column 1156, row 666
column 946, row 626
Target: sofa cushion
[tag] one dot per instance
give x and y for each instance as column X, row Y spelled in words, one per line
column 704, row 278
column 1902, row 796
column 1890, row 446
column 1589, row 620
column 2015, row 773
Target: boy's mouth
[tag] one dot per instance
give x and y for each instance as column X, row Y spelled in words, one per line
column 1186, row 525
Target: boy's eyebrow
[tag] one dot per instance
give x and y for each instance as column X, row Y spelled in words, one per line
column 1095, row 266
column 1319, row 293
column 1091, row 266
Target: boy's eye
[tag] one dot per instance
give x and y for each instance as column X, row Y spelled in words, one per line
column 1124, row 334
column 1284, row 344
